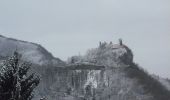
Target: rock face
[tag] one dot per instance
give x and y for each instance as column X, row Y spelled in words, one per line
column 76, row 83
column 104, row 73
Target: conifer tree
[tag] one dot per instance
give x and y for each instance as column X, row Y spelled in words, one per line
column 15, row 82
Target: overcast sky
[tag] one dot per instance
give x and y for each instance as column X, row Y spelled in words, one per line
column 70, row 27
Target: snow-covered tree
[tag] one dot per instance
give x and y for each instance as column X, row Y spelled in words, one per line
column 15, row 82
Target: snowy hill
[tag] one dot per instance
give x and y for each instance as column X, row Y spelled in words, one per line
column 106, row 72
column 31, row 52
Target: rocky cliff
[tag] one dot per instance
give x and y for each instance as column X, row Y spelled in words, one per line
column 104, row 73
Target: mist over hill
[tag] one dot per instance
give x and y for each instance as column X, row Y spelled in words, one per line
column 31, row 52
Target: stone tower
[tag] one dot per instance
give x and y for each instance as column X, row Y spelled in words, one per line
column 120, row 42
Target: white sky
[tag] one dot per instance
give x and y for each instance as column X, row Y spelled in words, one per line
column 70, row 27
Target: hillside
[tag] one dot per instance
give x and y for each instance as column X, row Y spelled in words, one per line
column 107, row 72
column 104, row 73
column 123, row 79
column 31, row 52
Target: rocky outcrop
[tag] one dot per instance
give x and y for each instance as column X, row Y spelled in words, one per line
column 104, row 73
column 98, row 75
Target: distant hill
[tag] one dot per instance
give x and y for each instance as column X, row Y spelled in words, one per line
column 31, row 52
